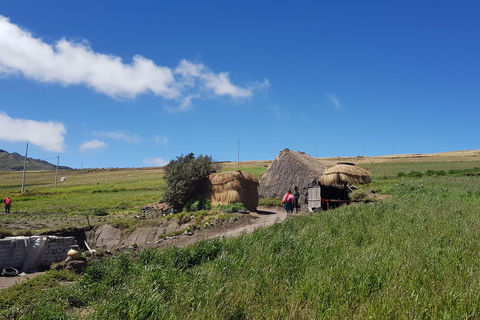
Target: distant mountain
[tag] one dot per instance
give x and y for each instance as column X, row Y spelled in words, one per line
column 14, row 162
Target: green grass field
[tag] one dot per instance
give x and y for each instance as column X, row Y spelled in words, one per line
column 120, row 193
column 412, row 256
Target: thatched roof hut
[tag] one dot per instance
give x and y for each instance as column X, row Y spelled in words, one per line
column 289, row 169
column 342, row 174
column 233, row 186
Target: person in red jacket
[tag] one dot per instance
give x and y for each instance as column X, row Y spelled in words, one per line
column 8, row 203
column 287, row 202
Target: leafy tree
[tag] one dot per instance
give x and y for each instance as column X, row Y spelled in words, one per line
column 185, row 178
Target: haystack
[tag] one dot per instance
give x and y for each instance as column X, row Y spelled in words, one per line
column 234, row 186
column 342, row 174
column 289, row 169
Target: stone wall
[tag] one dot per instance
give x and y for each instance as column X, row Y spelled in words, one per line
column 26, row 254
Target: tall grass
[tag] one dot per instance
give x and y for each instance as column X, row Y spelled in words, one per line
column 414, row 255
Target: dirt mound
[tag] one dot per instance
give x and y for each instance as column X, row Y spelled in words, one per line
column 289, row 169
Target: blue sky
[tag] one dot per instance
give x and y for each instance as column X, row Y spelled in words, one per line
column 137, row 83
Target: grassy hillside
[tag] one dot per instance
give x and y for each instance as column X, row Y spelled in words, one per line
column 123, row 192
column 414, row 255
column 15, row 162
column 119, row 192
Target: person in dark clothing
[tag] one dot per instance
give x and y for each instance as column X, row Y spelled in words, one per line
column 296, row 197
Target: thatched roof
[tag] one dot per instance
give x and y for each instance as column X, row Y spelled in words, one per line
column 341, row 174
column 234, row 186
column 289, row 169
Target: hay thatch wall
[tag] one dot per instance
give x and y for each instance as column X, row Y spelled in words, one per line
column 233, row 186
column 341, row 174
column 289, row 169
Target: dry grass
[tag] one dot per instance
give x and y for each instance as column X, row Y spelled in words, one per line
column 234, row 186
column 463, row 155
column 341, row 174
column 451, row 156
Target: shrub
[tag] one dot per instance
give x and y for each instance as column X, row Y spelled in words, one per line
column 100, row 212
column 185, row 178
column 401, row 174
column 416, row 174
column 430, row 173
column 198, row 204
column 230, row 208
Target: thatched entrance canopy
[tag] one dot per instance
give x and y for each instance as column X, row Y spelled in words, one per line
column 234, row 186
column 342, row 174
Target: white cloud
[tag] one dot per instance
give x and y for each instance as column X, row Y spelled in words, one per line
column 94, row 144
column 219, row 83
column 156, row 161
column 118, row 135
column 47, row 135
column 74, row 63
column 333, row 99
column 161, row 140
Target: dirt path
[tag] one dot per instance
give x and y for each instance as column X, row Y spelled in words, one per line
column 6, row 282
column 264, row 217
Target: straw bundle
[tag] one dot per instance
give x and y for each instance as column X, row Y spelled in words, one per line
column 342, row 174
column 233, row 186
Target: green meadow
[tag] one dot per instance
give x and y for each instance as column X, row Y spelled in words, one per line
column 413, row 255
column 117, row 194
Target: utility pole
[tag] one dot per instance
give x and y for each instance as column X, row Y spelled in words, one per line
column 56, row 172
column 238, row 155
column 24, row 168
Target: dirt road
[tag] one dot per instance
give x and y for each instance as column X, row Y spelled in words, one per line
column 264, row 217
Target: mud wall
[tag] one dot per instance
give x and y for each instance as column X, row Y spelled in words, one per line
column 109, row 237
column 29, row 253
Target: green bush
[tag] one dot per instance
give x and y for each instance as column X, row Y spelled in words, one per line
column 185, row 178
column 230, row 208
column 401, row 174
column 100, row 212
column 415, row 174
column 198, row 205
column 430, row 173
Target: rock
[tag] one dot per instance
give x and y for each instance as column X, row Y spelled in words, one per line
column 76, row 266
